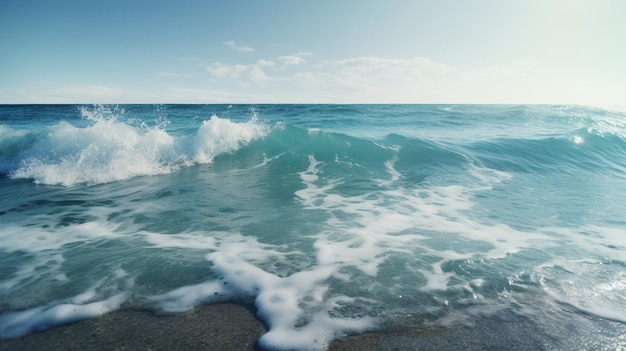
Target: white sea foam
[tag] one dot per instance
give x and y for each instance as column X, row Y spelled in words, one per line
column 395, row 220
column 33, row 239
column 109, row 150
column 217, row 136
column 292, row 307
column 88, row 304
column 300, row 309
column 16, row 324
column 105, row 152
column 49, row 263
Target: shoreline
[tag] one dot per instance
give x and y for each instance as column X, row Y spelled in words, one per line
column 230, row 326
column 223, row 326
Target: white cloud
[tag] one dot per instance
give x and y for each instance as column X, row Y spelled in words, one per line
column 352, row 80
column 256, row 74
column 370, row 79
column 360, row 79
column 218, row 69
column 294, row 59
column 237, row 47
column 246, row 75
column 421, row 80
column 290, row 60
column 397, row 68
column 264, row 63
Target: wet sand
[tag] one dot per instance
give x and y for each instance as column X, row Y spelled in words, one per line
column 213, row 327
column 234, row 327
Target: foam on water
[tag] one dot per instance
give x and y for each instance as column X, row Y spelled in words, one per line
column 26, row 239
column 88, row 304
column 303, row 310
column 291, row 306
column 108, row 150
column 294, row 307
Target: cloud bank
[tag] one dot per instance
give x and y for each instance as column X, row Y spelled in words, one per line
column 303, row 78
column 297, row 78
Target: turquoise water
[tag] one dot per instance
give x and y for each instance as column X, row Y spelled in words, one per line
column 331, row 219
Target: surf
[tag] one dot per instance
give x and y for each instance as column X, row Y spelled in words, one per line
column 329, row 221
column 107, row 150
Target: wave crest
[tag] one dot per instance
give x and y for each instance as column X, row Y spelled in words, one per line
column 109, row 150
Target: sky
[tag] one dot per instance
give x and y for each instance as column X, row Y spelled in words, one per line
column 323, row 51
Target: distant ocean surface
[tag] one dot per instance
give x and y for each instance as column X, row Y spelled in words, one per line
column 331, row 219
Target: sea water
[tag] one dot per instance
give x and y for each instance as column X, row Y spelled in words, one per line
column 331, row 219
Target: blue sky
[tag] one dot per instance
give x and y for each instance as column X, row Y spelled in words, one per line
column 296, row 51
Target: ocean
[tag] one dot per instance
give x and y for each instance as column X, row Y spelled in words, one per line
column 331, row 220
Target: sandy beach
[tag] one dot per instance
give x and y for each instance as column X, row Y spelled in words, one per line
column 213, row 327
column 224, row 326
column 231, row 326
